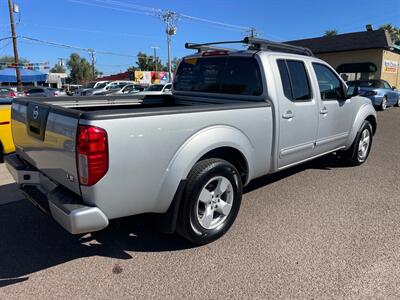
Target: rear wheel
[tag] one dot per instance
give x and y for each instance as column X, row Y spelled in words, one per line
column 384, row 103
column 359, row 151
column 211, row 201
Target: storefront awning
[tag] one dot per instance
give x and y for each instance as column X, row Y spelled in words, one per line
column 8, row 75
column 357, row 68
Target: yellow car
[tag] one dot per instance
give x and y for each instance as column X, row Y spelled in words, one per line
column 6, row 141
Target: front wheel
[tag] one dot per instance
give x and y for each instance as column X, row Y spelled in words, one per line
column 211, row 201
column 359, row 151
column 398, row 102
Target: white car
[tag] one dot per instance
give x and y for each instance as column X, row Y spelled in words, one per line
column 107, row 87
column 90, row 86
column 156, row 89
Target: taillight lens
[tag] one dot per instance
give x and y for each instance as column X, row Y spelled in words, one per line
column 215, row 52
column 370, row 93
column 91, row 154
column 12, row 94
column 55, row 94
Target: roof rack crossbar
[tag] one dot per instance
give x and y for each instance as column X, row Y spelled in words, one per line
column 261, row 44
column 209, row 46
column 254, row 44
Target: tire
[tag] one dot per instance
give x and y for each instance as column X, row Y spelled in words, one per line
column 398, row 102
column 210, row 202
column 359, row 151
column 383, row 105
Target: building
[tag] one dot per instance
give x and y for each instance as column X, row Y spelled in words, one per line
column 368, row 54
column 56, row 80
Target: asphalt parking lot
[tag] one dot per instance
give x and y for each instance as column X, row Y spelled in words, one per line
column 321, row 230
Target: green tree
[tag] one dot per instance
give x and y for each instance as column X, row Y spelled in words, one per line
column 10, row 59
column 146, row 63
column 330, row 32
column 142, row 61
column 57, row 69
column 393, row 31
column 80, row 69
column 174, row 63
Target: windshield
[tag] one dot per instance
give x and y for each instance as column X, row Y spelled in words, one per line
column 101, row 85
column 155, row 88
column 226, row 75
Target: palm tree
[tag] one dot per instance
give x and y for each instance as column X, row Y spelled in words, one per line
column 330, row 32
column 393, row 31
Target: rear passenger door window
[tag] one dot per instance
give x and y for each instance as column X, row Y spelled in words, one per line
column 295, row 81
column 329, row 84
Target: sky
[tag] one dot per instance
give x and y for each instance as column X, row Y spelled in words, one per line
column 130, row 27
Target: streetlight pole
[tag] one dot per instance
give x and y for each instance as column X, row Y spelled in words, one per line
column 14, row 39
column 93, row 56
column 155, row 57
column 169, row 53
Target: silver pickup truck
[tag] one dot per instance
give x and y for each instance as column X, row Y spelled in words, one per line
column 232, row 116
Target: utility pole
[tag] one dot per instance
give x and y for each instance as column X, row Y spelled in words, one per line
column 155, row 57
column 93, row 56
column 170, row 18
column 14, row 39
column 61, row 61
column 252, row 32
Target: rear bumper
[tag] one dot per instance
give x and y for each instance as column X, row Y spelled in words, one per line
column 66, row 207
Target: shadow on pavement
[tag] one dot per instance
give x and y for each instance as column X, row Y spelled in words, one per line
column 31, row 241
column 328, row 162
column 9, row 193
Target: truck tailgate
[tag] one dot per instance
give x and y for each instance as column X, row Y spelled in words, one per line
column 45, row 137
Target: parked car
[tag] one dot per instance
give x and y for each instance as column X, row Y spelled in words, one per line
column 90, row 86
column 44, row 92
column 380, row 92
column 6, row 141
column 7, row 93
column 156, row 89
column 108, row 87
column 129, row 89
column 232, row 116
column 120, row 89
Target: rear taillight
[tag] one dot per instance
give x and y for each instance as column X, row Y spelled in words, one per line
column 12, row 94
column 91, row 154
column 370, row 93
column 215, row 52
column 55, row 94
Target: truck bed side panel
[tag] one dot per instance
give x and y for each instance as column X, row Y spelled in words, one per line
column 141, row 150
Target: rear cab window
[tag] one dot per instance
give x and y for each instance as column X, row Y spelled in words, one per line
column 219, row 75
column 295, row 81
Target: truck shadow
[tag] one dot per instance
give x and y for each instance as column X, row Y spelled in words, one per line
column 31, row 241
column 328, row 162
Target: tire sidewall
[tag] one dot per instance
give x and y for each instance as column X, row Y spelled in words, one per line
column 384, row 100
column 366, row 125
column 196, row 231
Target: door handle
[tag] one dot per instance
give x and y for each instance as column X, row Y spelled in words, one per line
column 323, row 111
column 288, row 115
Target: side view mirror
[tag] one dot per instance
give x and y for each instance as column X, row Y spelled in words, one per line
column 352, row 91
column 393, row 88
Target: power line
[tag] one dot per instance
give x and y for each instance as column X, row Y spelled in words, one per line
column 89, row 31
column 89, row 50
column 133, row 8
